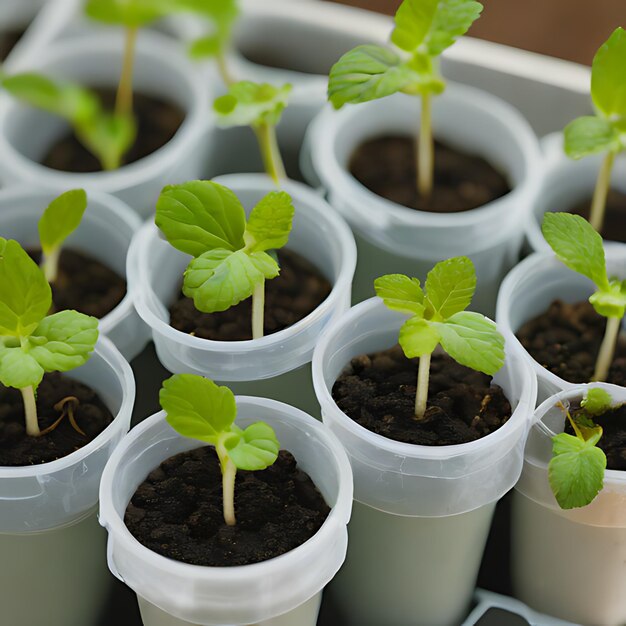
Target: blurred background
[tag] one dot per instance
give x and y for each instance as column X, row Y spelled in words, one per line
column 568, row 29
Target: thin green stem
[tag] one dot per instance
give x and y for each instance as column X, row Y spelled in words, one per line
column 607, row 349
column 258, row 306
column 421, row 396
column 50, row 264
column 30, row 411
column 598, row 205
column 270, row 152
column 124, row 98
column 425, row 148
column 222, row 68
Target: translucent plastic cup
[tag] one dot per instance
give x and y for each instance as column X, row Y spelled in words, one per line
column 422, row 513
column 105, row 233
column 558, row 553
column 155, row 271
column 284, row 591
column 52, row 548
column 530, row 288
column 19, row 15
column 161, row 69
column 397, row 238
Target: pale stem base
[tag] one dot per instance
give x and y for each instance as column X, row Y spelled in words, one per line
column 425, row 155
column 258, row 306
column 607, row 349
column 598, row 205
column 50, row 264
column 421, row 397
column 270, row 152
column 30, row 411
column 229, row 471
column 224, row 72
column 124, row 98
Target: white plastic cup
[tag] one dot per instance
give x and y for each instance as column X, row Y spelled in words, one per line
column 105, row 233
column 564, row 183
column 422, row 513
column 558, row 553
column 530, row 288
column 394, row 238
column 52, row 549
column 283, row 591
column 161, row 68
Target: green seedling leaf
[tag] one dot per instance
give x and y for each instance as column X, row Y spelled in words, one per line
column 222, row 15
column 453, row 18
column 401, row 293
column 61, row 219
column 109, row 136
column 256, row 449
column 590, row 135
column 413, row 20
column 608, row 76
column 450, row 286
column 597, row 401
column 418, row 337
column 269, row 223
column 129, row 13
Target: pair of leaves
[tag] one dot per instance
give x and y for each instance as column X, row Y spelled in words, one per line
column 207, row 221
column 423, row 29
column 32, row 343
column 604, row 131
column 576, row 470
column 198, row 408
column 438, row 315
column 578, row 246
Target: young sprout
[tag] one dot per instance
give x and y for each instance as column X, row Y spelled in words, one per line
column 199, row 409
column 438, row 316
column 32, row 342
column 108, row 136
column 260, row 106
column 604, row 131
column 578, row 246
column 423, row 30
column 231, row 262
column 576, row 470
column 57, row 223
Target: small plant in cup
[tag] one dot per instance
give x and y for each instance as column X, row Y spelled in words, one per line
column 438, row 317
column 604, row 131
column 32, row 342
column 578, row 246
column 199, row 409
column 232, row 255
column 423, row 30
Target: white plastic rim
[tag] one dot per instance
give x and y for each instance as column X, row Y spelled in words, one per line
column 564, row 183
column 608, row 509
column 105, row 234
column 155, row 271
column 35, row 498
column 229, row 595
column 413, row 480
column 464, row 117
column 19, row 14
column 161, row 68
column 530, row 288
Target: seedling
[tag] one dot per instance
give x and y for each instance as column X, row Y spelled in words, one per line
column 231, row 260
column 199, row 409
column 57, row 223
column 423, row 30
column 32, row 342
column 578, row 246
column 604, row 131
column 260, row 106
column 438, row 316
column 576, row 470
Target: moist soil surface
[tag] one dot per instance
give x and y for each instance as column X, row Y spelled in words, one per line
column 614, row 228
column 297, row 291
column 566, row 340
column 387, row 166
column 8, row 39
column 177, row 511
column 157, row 122
column 18, row 449
column 84, row 284
column 378, row 392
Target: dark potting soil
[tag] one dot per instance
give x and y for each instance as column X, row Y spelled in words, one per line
column 157, row 121
column 378, row 392
column 177, row 511
column 614, row 228
column 8, row 39
column 297, row 291
column 17, row 448
column 84, row 284
column 387, row 166
column 566, row 340
column 613, row 440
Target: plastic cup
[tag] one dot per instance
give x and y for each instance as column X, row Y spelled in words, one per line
column 52, row 548
column 422, row 513
column 161, row 68
column 278, row 592
column 530, row 288
column 395, row 238
column 19, row 15
column 105, row 233
column 556, row 553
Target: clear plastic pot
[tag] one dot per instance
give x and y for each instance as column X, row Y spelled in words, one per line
column 161, row 68
column 530, row 288
column 52, row 548
column 278, row 592
column 396, row 238
column 422, row 513
column 558, row 553
column 105, row 233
